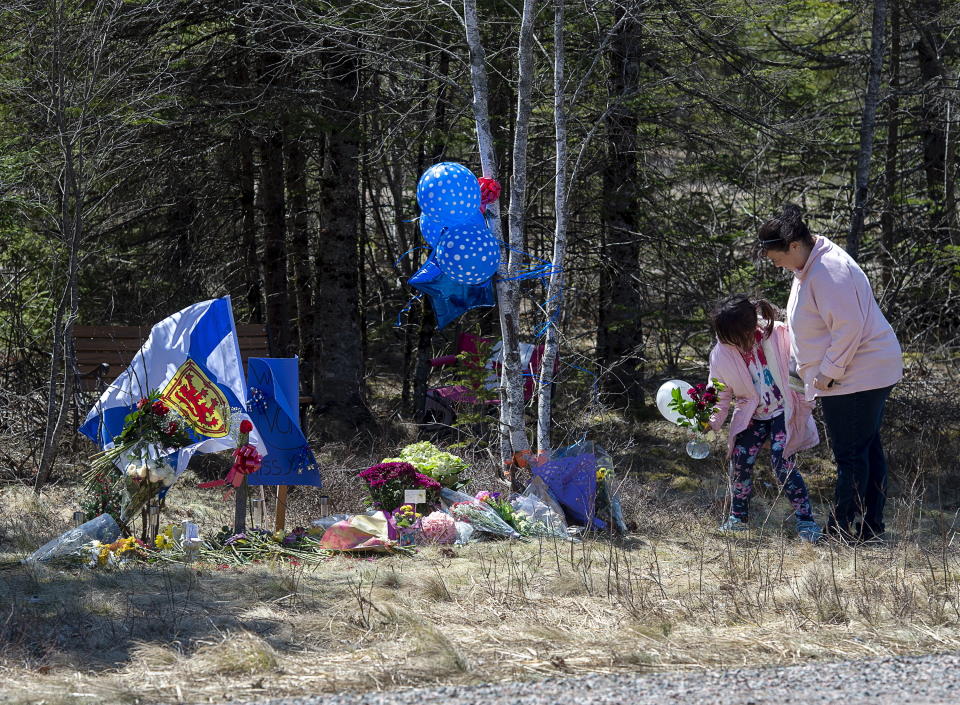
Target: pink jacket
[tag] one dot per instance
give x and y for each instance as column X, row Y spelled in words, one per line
column 836, row 327
column 727, row 366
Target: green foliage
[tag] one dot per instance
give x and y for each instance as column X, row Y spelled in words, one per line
column 476, row 418
column 104, row 494
column 445, row 468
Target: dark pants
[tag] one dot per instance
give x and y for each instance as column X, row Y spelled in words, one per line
column 853, row 423
column 745, row 450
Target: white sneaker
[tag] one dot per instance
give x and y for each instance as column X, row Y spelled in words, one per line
column 809, row 531
column 733, row 524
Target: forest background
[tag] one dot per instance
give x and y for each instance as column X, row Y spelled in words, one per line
column 158, row 153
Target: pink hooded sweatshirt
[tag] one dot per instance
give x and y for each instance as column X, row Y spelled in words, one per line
column 836, row 327
column 727, row 366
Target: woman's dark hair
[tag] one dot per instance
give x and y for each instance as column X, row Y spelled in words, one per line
column 777, row 233
column 735, row 318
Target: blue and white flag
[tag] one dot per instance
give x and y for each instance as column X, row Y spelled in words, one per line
column 193, row 359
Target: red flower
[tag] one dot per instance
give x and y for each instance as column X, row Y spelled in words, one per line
column 711, row 390
column 159, row 408
column 171, row 428
column 246, row 426
column 142, row 403
column 692, row 392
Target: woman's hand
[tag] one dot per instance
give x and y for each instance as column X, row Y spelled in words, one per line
column 822, row 383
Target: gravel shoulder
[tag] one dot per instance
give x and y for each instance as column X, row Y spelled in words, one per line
column 919, row 680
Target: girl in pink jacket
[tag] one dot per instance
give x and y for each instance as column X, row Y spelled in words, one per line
column 751, row 358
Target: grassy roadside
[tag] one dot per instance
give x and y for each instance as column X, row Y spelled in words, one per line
column 674, row 594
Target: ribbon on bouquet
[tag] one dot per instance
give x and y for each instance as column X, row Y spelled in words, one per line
column 246, row 461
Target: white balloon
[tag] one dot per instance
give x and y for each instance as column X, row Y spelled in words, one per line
column 665, row 396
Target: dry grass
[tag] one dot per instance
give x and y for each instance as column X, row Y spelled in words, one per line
column 674, row 594
column 679, row 596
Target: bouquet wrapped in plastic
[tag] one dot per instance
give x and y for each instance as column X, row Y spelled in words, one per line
column 538, row 513
column 479, row 514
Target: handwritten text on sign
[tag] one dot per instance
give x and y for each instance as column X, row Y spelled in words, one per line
column 414, row 496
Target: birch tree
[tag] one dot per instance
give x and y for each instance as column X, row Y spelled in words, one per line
column 554, row 304
column 513, row 438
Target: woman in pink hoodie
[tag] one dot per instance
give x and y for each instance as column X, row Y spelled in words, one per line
column 845, row 353
column 751, row 359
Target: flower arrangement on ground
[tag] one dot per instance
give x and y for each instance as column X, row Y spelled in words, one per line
column 406, row 516
column 407, row 520
column 386, row 483
column 504, row 510
column 299, row 546
column 429, row 460
column 112, row 555
column 438, row 527
column 482, row 516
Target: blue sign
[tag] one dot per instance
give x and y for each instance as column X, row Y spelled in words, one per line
column 274, row 409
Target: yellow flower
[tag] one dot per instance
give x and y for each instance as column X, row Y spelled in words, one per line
column 279, row 535
column 602, row 473
column 163, row 541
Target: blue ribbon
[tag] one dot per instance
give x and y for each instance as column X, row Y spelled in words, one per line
column 405, row 309
column 396, row 263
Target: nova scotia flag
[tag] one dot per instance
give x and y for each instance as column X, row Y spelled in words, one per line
column 193, row 358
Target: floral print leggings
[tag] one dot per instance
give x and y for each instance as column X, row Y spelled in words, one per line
column 745, row 449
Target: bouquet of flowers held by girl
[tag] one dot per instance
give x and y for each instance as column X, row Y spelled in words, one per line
column 696, row 411
column 691, row 407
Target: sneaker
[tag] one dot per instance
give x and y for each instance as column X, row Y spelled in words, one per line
column 733, row 524
column 808, row 530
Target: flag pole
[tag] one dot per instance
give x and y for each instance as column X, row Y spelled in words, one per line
column 240, row 515
column 280, row 516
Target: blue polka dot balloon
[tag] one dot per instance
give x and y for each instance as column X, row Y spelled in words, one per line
column 432, row 229
column 449, row 193
column 468, row 254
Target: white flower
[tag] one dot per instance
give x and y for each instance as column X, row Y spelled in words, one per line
column 711, row 436
column 133, row 470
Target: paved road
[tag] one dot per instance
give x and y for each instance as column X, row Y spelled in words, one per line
column 922, row 680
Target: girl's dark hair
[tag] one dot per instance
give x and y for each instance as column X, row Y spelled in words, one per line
column 777, row 233
column 735, row 318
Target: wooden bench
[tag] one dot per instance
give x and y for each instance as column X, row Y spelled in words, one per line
column 103, row 352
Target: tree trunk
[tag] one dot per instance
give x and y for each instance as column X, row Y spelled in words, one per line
column 555, row 290
column 296, row 174
column 428, row 321
column 619, row 333
column 934, row 116
column 338, row 387
column 867, row 128
column 512, row 403
column 274, row 261
column 488, row 164
column 888, row 218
